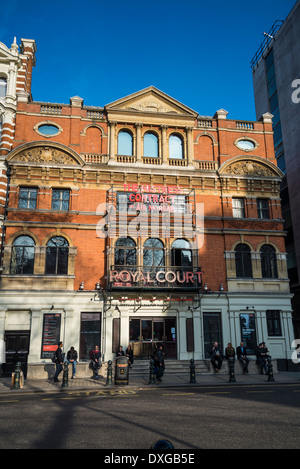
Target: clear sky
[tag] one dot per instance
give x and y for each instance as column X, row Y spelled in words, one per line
column 197, row 51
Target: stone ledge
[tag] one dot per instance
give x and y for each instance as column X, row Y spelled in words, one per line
column 238, row 370
column 47, row 370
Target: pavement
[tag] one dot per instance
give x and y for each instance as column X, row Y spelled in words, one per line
column 142, row 382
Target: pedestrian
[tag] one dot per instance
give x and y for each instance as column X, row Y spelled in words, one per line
column 120, row 352
column 95, row 357
column 230, row 352
column 159, row 363
column 216, row 357
column 59, row 362
column 72, row 357
column 129, row 354
column 261, row 358
column 242, row 357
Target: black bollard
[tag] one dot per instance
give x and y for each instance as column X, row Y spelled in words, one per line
column 16, row 384
column 151, row 376
column 192, row 372
column 65, row 382
column 270, row 369
column 109, row 373
column 231, row 370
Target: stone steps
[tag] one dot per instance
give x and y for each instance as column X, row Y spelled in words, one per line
column 141, row 367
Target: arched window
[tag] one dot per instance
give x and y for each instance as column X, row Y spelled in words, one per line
column 181, row 253
column 3, row 87
column 150, row 145
column 125, row 252
column 268, row 262
column 22, row 256
column 153, row 254
column 125, row 143
column 175, row 147
column 57, row 255
column 243, row 261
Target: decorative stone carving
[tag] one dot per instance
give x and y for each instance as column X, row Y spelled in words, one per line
column 248, row 168
column 45, row 154
column 150, row 107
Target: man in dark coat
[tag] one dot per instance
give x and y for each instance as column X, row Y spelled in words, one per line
column 242, row 357
column 59, row 361
column 95, row 356
column 72, row 357
column 159, row 363
column 216, row 357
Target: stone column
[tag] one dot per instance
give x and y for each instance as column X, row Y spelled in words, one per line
column 138, row 126
column 164, row 152
column 35, row 336
column 190, row 149
column 112, row 139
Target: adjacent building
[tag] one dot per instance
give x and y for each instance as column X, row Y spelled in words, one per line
column 276, row 80
column 141, row 222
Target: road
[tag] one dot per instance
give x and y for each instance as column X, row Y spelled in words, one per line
column 229, row 417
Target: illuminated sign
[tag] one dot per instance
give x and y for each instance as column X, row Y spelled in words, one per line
column 154, row 198
column 153, row 188
column 160, row 277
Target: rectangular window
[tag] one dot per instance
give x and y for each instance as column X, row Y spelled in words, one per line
column 90, row 334
column 263, row 208
column 212, row 331
column 238, row 208
column 27, row 197
column 273, row 322
column 60, row 199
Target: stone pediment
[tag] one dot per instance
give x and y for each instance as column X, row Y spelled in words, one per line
column 41, row 153
column 9, row 55
column 250, row 167
column 151, row 101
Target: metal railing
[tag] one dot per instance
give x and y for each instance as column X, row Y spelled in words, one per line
column 269, row 37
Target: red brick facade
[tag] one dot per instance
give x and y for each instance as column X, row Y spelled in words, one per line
column 225, row 169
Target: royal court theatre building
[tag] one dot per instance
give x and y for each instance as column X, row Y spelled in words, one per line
column 140, row 222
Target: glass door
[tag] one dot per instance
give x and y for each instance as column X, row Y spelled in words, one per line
column 145, row 334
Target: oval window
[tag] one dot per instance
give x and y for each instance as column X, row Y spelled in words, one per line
column 246, row 144
column 48, row 129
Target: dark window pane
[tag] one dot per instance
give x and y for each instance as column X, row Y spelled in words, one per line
column 27, row 198
column 243, row 261
column 57, row 254
column 22, row 256
column 60, row 199
column 268, row 262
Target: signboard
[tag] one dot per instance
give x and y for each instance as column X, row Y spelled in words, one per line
column 158, row 277
column 146, row 198
column 51, row 334
column 248, row 332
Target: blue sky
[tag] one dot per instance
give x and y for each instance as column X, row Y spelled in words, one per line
column 196, row 51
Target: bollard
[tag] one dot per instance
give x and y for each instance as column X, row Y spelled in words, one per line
column 109, row 373
column 270, row 369
column 16, row 384
column 192, row 372
column 65, row 382
column 231, row 370
column 151, row 376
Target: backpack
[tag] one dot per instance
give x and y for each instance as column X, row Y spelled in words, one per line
column 54, row 358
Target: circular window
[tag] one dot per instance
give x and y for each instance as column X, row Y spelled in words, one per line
column 246, row 144
column 47, row 129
